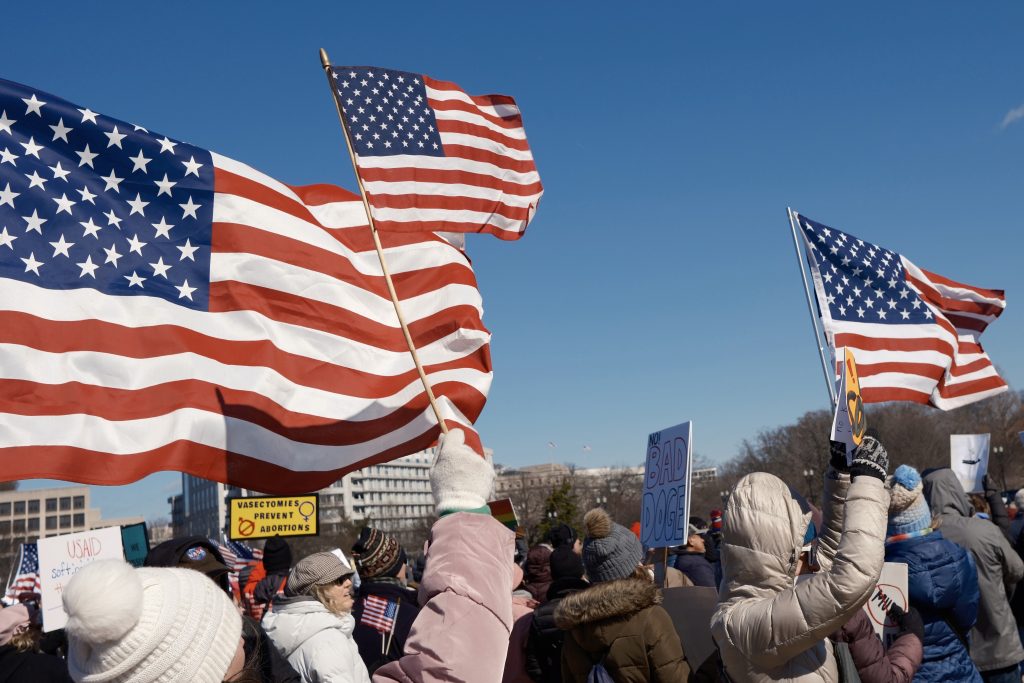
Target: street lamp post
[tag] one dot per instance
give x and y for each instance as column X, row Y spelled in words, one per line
column 809, row 476
column 998, row 451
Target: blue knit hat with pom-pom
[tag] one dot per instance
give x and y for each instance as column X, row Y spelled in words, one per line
column 908, row 509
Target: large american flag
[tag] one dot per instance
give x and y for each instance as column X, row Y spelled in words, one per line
column 26, row 580
column 915, row 334
column 163, row 307
column 432, row 157
column 379, row 613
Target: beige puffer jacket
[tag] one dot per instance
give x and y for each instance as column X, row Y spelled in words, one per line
column 768, row 629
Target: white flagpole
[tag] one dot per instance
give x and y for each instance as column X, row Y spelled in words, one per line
column 829, row 376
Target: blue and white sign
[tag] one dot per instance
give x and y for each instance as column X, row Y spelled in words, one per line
column 665, row 512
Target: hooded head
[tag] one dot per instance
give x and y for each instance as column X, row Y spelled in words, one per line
column 945, row 494
column 763, row 530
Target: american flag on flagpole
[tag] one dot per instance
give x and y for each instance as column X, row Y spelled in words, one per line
column 379, row 613
column 27, row 578
column 432, row 157
column 915, row 334
column 163, row 307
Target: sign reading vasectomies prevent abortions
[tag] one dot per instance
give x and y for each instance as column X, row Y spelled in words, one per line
column 665, row 513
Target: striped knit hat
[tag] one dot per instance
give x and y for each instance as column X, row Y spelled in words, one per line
column 377, row 554
column 908, row 510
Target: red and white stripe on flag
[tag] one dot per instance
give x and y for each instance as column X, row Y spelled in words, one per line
column 432, row 157
column 915, row 334
column 297, row 374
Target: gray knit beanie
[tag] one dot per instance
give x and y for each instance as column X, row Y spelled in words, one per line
column 610, row 551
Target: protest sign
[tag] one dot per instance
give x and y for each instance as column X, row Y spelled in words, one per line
column 268, row 516
column 135, row 541
column 665, row 511
column 849, row 422
column 60, row 558
column 891, row 589
column 968, row 457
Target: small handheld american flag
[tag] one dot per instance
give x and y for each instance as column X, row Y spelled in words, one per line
column 27, row 578
column 379, row 613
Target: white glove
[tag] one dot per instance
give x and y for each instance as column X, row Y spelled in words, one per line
column 459, row 478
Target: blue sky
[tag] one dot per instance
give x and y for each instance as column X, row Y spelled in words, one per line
column 658, row 282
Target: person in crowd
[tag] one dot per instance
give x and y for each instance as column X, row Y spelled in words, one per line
column 995, row 644
column 565, row 535
column 199, row 554
column 385, row 607
column 522, row 547
column 20, row 658
column 462, row 631
column 942, row 580
column 691, row 559
column 617, row 622
column 874, row 662
column 544, row 644
column 713, row 542
column 152, row 625
column 523, row 605
column 980, row 505
column 312, row 625
column 665, row 576
column 277, row 563
column 768, row 626
column 538, row 571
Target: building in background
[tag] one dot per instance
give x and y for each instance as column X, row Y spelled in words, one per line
column 703, row 475
column 394, row 496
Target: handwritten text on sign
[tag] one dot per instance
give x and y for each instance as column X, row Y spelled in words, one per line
column 61, row 557
column 665, row 512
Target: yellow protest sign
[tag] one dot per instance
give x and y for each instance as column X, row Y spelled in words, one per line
column 269, row 516
column 858, row 421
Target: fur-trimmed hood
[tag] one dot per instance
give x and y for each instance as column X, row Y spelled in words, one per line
column 608, row 600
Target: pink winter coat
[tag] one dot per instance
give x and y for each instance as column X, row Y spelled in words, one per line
column 462, row 631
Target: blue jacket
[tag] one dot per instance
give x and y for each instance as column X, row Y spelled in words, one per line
column 943, row 583
column 697, row 568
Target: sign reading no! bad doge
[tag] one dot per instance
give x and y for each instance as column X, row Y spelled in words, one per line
column 665, row 513
column 269, row 516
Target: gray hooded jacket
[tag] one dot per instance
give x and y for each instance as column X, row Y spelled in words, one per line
column 767, row 628
column 994, row 640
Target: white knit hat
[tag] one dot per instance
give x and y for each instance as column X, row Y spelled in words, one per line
column 158, row 625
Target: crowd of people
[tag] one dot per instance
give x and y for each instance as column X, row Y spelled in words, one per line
column 791, row 579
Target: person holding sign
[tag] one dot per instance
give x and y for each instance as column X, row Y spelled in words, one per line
column 942, row 580
column 770, row 627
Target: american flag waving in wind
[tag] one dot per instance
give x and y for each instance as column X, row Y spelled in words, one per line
column 27, row 578
column 431, row 157
column 163, row 307
column 915, row 334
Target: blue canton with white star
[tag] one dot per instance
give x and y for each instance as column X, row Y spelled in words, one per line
column 386, row 112
column 862, row 282
column 87, row 201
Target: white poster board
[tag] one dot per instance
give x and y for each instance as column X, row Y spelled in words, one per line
column 60, row 558
column 891, row 588
column 968, row 457
column 665, row 511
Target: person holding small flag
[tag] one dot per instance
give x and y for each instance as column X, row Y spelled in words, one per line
column 385, row 606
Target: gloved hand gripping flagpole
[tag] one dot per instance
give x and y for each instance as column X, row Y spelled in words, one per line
column 380, row 251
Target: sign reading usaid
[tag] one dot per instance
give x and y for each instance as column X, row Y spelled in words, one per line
column 665, row 513
column 61, row 557
column 269, row 516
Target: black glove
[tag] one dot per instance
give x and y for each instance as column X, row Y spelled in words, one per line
column 837, row 456
column 907, row 622
column 870, row 459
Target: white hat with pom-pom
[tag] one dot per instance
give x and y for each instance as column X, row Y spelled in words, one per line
column 162, row 625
